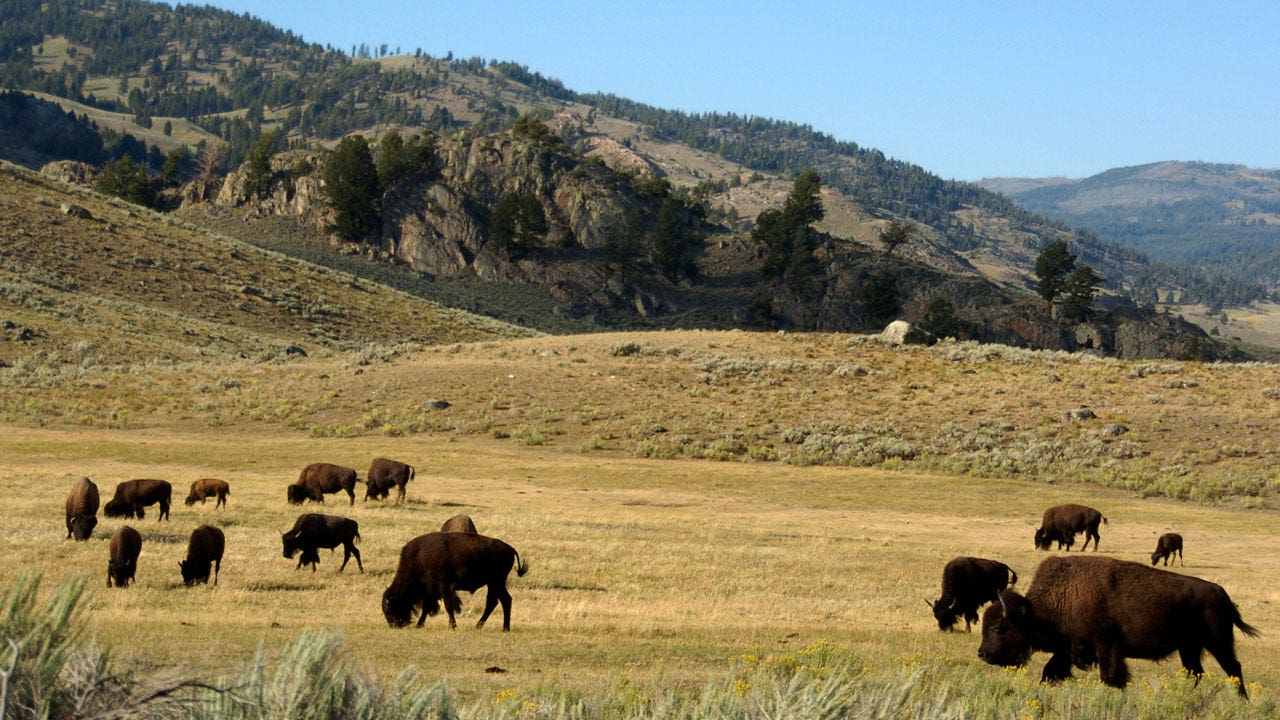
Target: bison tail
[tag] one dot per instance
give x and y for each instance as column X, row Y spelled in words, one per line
column 1104, row 520
column 522, row 566
column 1246, row 628
column 412, row 473
column 1013, row 577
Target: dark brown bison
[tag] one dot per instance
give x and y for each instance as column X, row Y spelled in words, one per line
column 204, row 549
column 1099, row 610
column 82, row 509
column 313, row 530
column 320, row 478
column 385, row 474
column 205, row 488
column 968, row 583
column 1063, row 522
column 435, row 566
column 134, row 495
column 1166, row 546
column 126, row 544
column 458, row 523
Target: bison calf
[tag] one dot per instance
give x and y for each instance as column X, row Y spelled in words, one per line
column 313, row 530
column 1062, row 523
column 126, row 545
column 206, row 488
column 435, row 566
column 82, row 509
column 458, row 523
column 1099, row 610
column 317, row 479
column 968, row 583
column 1166, row 546
column 204, row 549
column 385, row 474
column 134, row 495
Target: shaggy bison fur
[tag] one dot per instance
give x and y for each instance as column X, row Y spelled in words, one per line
column 82, row 509
column 1166, row 546
column 458, row 523
column 134, row 495
column 126, row 544
column 203, row 550
column 1099, row 610
column 313, row 531
column 1062, row 523
column 205, row 488
column 967, row 584
column 435, row 566
column 385, row 474
column 317, row 479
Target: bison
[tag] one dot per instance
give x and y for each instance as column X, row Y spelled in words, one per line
column 204, row 549
column 82, row 509
column 320, row 478
column 126, row 544
column 134, row 495
column 205, row 488
column 385, row 474
column 435, row 566
column 967, row 584
column 1166, row 546
column 1063, row 522
column 313, row 530
column 1099, row 610
column 458, row 523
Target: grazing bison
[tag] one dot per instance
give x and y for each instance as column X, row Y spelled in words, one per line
column 458, row 523
column 1166, row 546
column 126, row 544
column 313, row 530
column 204, row 549
column 435, row 566
column 320, row 478
column 967, row 584
column 1063, row 522
column 82, row 509
column 385, row 474
column 205, row 488
column 133, row 495
column 1087, row 610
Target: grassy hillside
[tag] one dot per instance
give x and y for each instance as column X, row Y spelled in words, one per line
column 657, row 569
column 126, row 285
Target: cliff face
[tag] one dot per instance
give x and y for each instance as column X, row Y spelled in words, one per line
column 594, row 255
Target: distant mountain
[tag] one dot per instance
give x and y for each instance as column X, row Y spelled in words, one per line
column 1222, row 219
column 157, row 79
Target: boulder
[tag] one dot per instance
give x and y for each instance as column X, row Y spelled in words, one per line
column 901, row 332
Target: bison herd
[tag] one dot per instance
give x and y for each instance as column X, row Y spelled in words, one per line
column 1090, row 610
column 1082, row 610
column 433, row 567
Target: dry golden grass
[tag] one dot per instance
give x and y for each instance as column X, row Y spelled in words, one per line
column 644, row 571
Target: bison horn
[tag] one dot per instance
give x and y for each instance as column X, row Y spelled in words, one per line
column 1003, row 608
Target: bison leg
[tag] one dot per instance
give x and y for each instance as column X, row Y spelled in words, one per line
column 452, row 605
column 164, row 511
column 139, row 512
column 1225, row 654
column 400, row 494
column 1057, row 669
column 490, row 602
column 1112, row 667
column 349, row 549
column 1191, row 661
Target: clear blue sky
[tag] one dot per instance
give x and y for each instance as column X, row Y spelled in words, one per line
column 964, row 89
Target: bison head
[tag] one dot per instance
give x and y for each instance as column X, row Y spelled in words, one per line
column 1005, row 638
column 117, row 508
column 192, row 499
column 397, row 607
column 1046, row 537
column 298, row 494
column 191, row 572
column 291, row 544
column 944, row 614
column 121, row 571
column 82, row 526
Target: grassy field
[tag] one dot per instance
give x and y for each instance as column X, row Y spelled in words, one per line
column 655, row 564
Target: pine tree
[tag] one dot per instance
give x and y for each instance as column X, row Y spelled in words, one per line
column 351, row 184
column 1053, row 265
